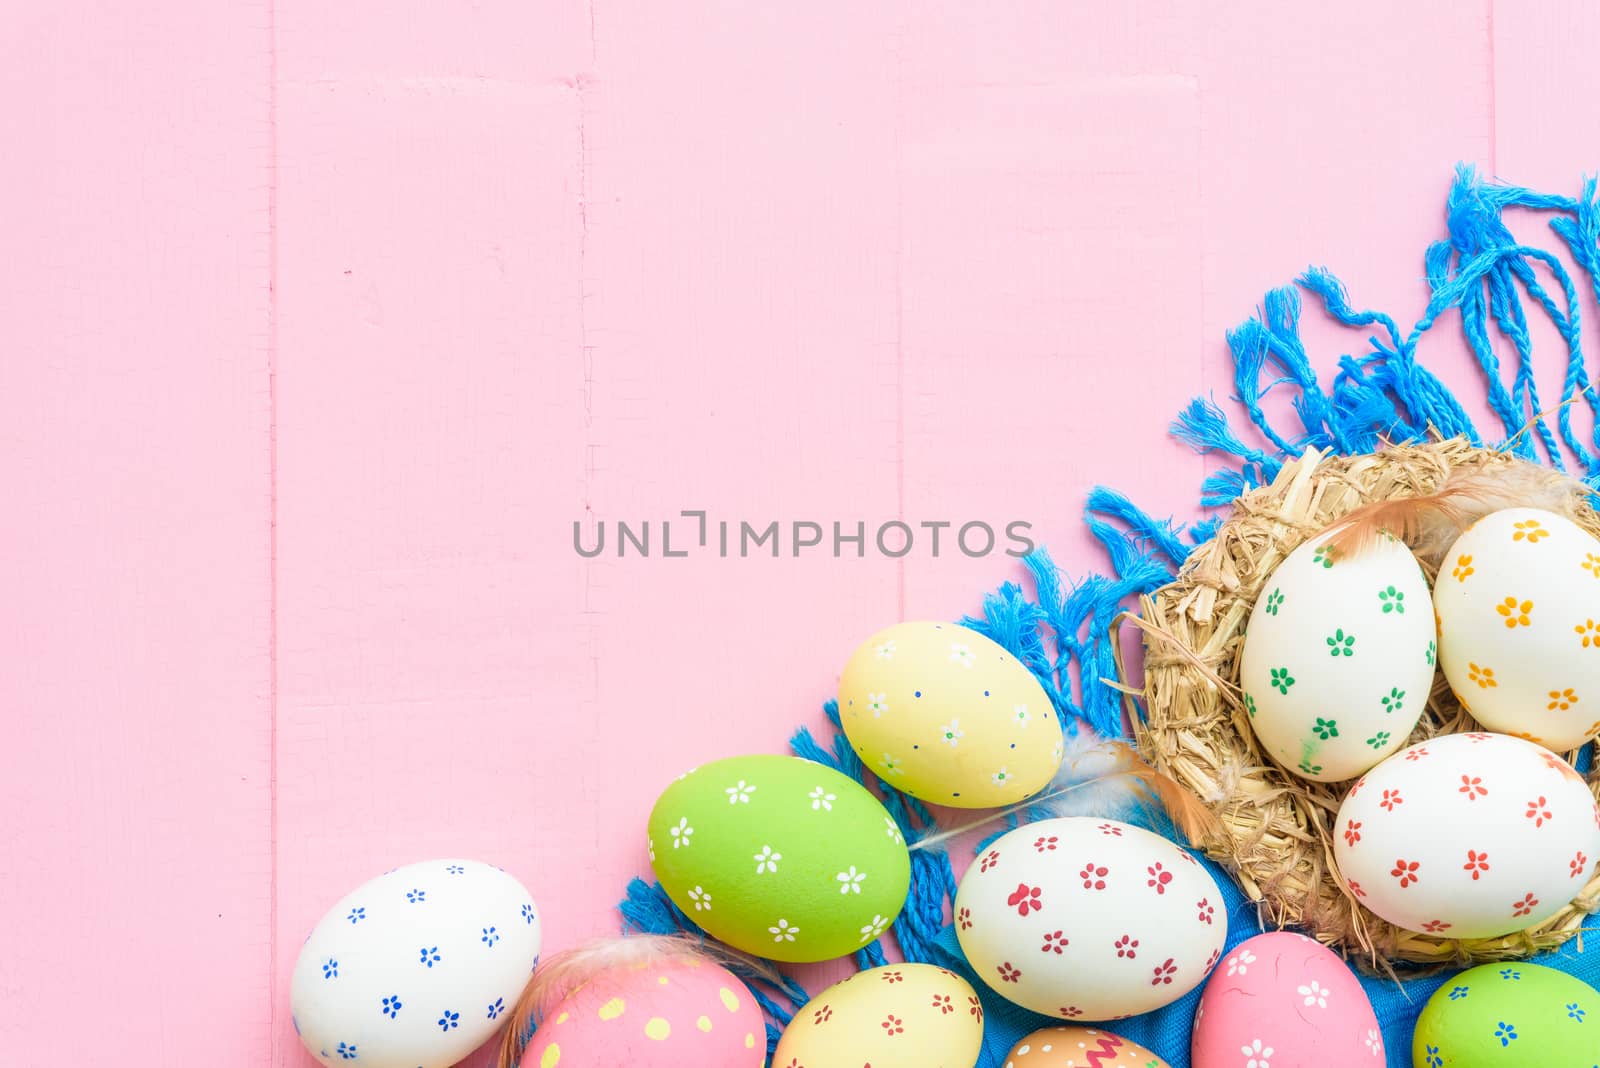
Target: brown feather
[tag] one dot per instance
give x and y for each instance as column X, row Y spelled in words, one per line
column 1430, row 524
column 1413, row 520
column 1189, row 814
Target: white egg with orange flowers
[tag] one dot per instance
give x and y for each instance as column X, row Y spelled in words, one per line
column 1518, row 598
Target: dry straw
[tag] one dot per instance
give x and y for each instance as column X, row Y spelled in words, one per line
column 1276, row 839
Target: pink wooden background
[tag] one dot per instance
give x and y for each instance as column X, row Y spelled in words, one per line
column 324, row 321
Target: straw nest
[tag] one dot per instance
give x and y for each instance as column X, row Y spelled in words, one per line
column 1276, row 838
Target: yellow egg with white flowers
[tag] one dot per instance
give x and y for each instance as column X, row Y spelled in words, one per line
column 947, row 715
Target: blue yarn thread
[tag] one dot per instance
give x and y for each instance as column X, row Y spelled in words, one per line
column 1061, row 633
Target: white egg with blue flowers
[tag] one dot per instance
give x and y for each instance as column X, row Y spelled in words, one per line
column 416, row 968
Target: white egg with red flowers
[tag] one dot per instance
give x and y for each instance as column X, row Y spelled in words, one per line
column 1468, row 836
column 1086, row 918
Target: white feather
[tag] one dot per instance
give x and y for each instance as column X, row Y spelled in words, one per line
column 1092, row 781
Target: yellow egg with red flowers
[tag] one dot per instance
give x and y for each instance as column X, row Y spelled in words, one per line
column 897, row 1016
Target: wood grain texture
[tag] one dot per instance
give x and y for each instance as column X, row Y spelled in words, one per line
column 135, row 570
column 600, row 262
column 430, row 625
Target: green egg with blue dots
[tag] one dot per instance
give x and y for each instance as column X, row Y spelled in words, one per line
column 1509, row 1015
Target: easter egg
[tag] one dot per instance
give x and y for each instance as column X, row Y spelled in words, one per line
column 779, row 857
column 416, row 967
column 1338, row 658
column 898, row 1016
column 1083, row 917
column 1509, row 1014
column 1518, row 598
column 1468, row 836
column 1284, row 999
column 942, row 713
column 1079, row 1047
column 657, row 1016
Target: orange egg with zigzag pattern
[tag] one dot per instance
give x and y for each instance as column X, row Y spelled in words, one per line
column 1079, row 1047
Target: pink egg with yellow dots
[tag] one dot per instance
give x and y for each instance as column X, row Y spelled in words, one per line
column 671, row 1011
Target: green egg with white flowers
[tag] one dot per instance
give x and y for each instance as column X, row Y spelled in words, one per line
column 779, row 857
column 1509, row 1015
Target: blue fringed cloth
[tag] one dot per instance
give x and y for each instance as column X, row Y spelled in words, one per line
column 1062, row 631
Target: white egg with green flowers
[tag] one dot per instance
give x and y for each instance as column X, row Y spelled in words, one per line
column 1339, row 657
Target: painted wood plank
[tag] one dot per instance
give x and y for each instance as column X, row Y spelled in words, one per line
column 134, row 559
column 431, row 640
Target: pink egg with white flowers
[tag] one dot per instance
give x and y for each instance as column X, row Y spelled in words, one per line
column 656, row 1015
column 1284, row 1000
